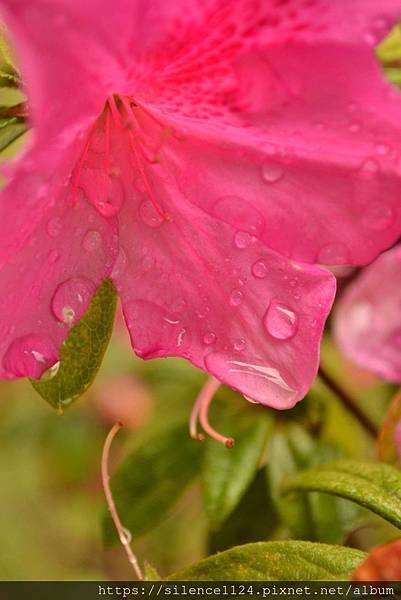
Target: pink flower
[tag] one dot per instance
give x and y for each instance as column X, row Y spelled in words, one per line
column 368, row 317
column 191, row 150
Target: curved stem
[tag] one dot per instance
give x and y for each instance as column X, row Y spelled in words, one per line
column 205, row 397
column 124, row 536
column 349, row 404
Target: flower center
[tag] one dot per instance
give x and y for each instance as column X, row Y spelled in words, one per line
column 117, row 142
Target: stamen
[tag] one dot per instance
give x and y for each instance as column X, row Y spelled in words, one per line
column 115, row 113
column 146, row 182
column 124, row 535
column 201, row 409
column 107, row 139
column 78, row 168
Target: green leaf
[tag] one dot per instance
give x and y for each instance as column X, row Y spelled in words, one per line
column 226, row 473
column 151, row 479
column 11, row 129
column 317, row 517
column 82, row 352
column 255, row 519
column 276, row 561
column 372, row 485
column 389, row 50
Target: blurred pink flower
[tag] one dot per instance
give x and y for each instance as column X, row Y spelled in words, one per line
column 190, row 151
column 367, row 321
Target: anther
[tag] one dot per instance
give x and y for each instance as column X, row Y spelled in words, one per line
column 200, row 411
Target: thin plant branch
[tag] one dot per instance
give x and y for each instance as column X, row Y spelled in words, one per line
column 124, row 535
column 349, row 404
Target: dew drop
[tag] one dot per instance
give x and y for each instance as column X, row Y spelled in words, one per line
column 242, row 239
column 354, row 127
column 239, row 213
column 262, row 382
column 333, row 254
column 240, row 344
column 125, row 536
column 236, row 297
column 280, row 321
column 378, row 216
column 272, row 172
column 53, row 256
column 51, row 373
column 369, row 167
column 259, row 269
column 92, row 240
column 148, row 262
column 209, row 338
column 54, row 227
column 107, row 197
column 71, row 299
column 120, row 264
column 30, row 356
column 382, row 149
column 149, row 215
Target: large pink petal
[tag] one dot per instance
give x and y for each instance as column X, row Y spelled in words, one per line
column 295, row 118
column 368, row 317
column 58, row 242
column 195, row 287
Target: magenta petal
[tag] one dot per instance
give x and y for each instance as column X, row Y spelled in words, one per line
column 195, row 287
column 48, row 283
column 368, row 317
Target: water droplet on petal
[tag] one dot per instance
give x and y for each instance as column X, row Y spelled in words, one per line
column 30, row 356
column 262, row 382
column 378, row 216
column 236, row 297
column 240, row 214
column 149, row 214
column 54, row 227
column 251, row 400
column 120, row 264
column 209, row 338
column 92, row 240
column 240, row 344
column 280, row 321
column 71, row 299
column 382, row 149
column 259, row 269
column 51, row 373
column 242, row 239
column 369, row 168
column 333, row 254
column 272, row 172
column 53, row 256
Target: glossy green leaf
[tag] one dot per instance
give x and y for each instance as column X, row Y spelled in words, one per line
column 389, row 50
column 152, row 478
column 372, row 485
column 81, row 353
column 276, row 561
column 255, row 519
column 226, row 473
column 316, row 517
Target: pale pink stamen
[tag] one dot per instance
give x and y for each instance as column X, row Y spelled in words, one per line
column 201, row 409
